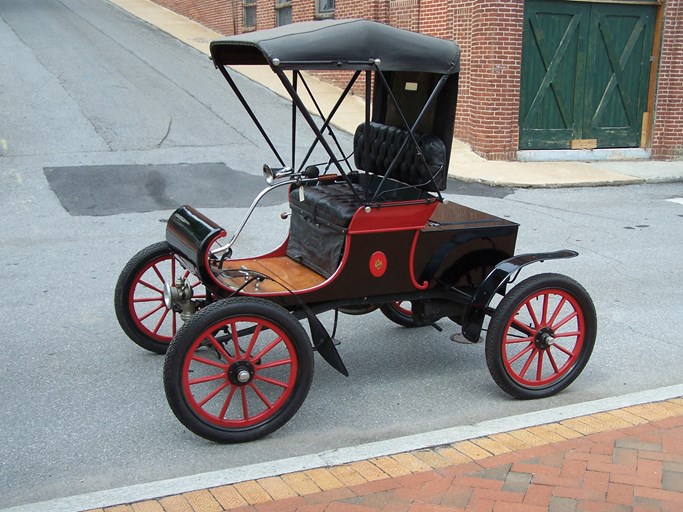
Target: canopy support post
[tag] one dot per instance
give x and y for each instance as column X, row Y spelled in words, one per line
column 295, row 79
column 311, row 123
column 366, row 139
column 327, row 122
column 246, row 106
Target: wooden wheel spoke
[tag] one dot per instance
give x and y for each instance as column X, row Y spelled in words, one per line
column 206, row 378
column 532, row 314
column 210, row 362
column 226, row 404
column 208, row 397
column 557, row 311
column 521, row 353
column 539, row 368
column 526, row 366
column 510, row 341
column 523, row 328
column 245, row 404
column 160, row 275
column 252, row 342
column 562, row 322
column 148, row 299
column 562, row 349
column 267, row 349
column 150, row 313
column 567, row 334
column 161, row 321
column 219, row 347
column 552, row 362
column 151, row 287
column 271, row 381
column 260, row 395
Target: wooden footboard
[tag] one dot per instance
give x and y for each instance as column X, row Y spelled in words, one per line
column 284, row 273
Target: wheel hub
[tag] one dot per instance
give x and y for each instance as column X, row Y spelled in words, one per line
column 544, row 339
column 178, row 297
column 241, row 373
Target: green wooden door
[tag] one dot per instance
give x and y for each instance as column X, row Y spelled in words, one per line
column 585, row 74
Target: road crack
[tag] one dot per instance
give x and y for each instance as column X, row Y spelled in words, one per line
column 168, row 130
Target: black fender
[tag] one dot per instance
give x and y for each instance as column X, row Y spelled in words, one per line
column 497, row 279
column 190, row 235
column 323, row 343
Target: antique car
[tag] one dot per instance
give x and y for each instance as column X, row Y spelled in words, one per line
column 369, row 229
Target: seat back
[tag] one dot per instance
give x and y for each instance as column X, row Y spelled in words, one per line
column 385, row 142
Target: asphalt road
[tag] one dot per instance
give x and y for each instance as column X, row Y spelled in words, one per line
column 85, row 88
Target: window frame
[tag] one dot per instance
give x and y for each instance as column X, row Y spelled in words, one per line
column 320, row 14
column 246, row 4
column 279, row 6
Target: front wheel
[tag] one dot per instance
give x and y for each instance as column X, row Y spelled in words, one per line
column 541, row 336
column 139, row 297
column 238, row 370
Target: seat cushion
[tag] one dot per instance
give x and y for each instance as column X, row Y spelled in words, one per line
column 332, row 203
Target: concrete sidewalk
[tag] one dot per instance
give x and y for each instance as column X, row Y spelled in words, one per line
column 465, row 164
column 622, row 454
column 623, row 460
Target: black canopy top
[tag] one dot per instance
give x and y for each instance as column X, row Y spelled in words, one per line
column 339, row 44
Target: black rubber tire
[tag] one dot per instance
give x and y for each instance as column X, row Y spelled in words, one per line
column 358, row 310
column 568, row 300
column 194, row 336
column 468, row 273
column 141, row 331
column 399, row 315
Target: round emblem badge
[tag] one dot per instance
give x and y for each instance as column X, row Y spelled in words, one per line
column 378, row 264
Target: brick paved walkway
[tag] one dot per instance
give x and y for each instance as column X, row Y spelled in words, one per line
column 624, row 460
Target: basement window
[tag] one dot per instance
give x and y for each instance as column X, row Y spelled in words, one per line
column 249, row 19
column 324, row 8
column 283, row 12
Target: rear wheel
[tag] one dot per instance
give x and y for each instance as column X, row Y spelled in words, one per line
column 541, row 336
column 238, row 370
column 139, row 297
column 401, row 313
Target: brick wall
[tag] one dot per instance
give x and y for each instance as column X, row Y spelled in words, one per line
column 436, row 18
column 265, row 14
column 215, row 14
column 489, row 33
column 375, row 10
column 491, row 101
column 303, row 11
column 667, row 133
column 405, row 14
column 462, row 33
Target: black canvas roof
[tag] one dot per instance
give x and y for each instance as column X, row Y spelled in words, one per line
column 339, row 44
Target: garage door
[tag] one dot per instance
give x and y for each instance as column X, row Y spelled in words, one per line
column 585, row 74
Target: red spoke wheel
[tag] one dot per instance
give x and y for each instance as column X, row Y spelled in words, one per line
column 401, row 313
column 238, row 370
column 541, row 336
column 139, row 297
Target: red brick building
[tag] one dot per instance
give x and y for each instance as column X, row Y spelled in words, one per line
column 536, row 74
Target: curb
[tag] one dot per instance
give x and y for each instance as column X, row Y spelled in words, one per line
column 264, row 482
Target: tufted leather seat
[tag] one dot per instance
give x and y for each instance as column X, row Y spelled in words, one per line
column 386, row 141
column 319, row 222
column 332, row 203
